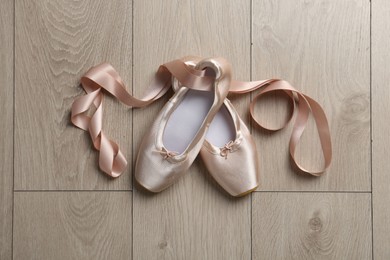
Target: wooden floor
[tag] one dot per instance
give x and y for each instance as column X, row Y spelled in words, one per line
column 56, row 204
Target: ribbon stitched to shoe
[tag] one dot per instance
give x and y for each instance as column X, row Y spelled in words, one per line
column 104, row 76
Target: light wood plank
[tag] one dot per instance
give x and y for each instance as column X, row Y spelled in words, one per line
column 380, row 125
column 193, row 219
column 311, row 226
column 73, row 225
column 6, row 126
column 57, row 42
column 323, row 49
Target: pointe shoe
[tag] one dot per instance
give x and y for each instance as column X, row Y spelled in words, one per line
column 178, row 133
column 229, row 152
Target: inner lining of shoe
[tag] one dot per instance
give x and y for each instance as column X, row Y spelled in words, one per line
column 186, row 120
column 221, row 129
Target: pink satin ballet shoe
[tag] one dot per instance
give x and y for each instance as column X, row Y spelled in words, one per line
column 228, row 151
column 230, row 154
column 177, row 134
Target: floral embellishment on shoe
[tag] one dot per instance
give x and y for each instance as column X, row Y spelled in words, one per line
column 226, row 149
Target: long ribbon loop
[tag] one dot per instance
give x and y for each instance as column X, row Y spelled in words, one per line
column 305, row 105
column 104, row 76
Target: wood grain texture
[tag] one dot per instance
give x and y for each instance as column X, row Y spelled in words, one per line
column 380, row 126
column 193, row 219
column 6, row 126
column 56, row 42
column 73, row 225
column 311, row 226
column 323, row 49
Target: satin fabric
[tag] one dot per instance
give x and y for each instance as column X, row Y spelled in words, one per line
column 235, row 166
column 303, row 105
column 156, row 169
column 104, row 76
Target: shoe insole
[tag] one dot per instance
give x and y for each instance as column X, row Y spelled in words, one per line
column 186, row 120
column 221, row 129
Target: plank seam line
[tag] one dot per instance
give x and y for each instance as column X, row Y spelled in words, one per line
column 13, row 136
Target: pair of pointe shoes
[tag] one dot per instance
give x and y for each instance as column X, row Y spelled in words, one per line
column 199, row 120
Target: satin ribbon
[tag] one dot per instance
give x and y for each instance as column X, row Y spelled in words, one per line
column 304, row 106
column 104, row 76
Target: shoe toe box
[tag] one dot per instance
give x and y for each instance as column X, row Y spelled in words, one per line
column 156, row 173
column 238, row 172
